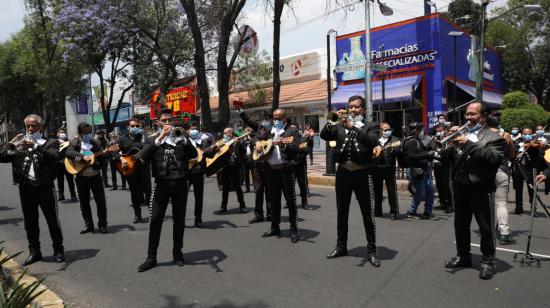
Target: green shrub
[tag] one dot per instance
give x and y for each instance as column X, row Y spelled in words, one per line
column 515, row 99
column 524, row 117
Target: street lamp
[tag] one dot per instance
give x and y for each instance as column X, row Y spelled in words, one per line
column 330, row 165
column 484, row 3
column 386, row 11
column 455, row 35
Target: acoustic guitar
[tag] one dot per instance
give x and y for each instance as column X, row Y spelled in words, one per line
column 221, row 158
column 127, row 164
column 75, row 167
column 197, row 160
column 378, row 150
column 267, row 148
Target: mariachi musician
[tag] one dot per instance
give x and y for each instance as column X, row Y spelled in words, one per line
column 139, row 180
column 34, row 161
column 279, row 172
column 170, row 154
column 355, row 142
column 300, row 167
column 196, row 169
column 384, row 171
column 262, row 132
column 62, row 173
column 231, row 172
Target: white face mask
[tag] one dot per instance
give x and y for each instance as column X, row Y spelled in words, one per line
column 421, row 134
column 37, row 135
column 62, row 136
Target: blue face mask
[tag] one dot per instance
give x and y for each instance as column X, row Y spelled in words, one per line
column 386, row 134
column 226, row 138
column 87, row 137
column 134, row 131
column 527, row 137
column 475, row 128
column 540, row 132
column 278, row 124
column 515, row 132
column 194, row 134
column 266, row 124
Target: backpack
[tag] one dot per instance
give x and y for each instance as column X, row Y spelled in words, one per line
column 401, row 153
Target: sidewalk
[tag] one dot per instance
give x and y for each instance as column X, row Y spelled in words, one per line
column 317, row 170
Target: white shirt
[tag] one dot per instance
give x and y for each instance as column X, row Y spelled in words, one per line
column 37, row 143
column 168, row 139
column 275, row 158
column 474, row 136
column 383, row 141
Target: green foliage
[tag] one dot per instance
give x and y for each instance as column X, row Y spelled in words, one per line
column 522, row 118
column 458, row 9
column 515, row 99
column 23, row 294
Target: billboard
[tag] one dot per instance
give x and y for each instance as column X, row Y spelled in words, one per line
column 179, row 100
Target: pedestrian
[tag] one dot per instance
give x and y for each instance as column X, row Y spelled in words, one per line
column 384, row 171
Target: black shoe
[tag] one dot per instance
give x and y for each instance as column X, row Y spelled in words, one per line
column 449, row 210
column 412, row 215
column 198, row 223
column 87, row 230
column 272, row 232
column 74, row 199
column 103, row 230
column 147, row 265
column 137, row 219
column 59, row 257
column 294, row 235
column 305, row 206
column 61, row 198
column 458, row 262
column 256, row 219
column 373, row 259
column 221, row 211
column 32, row 258
column 439, row 208
column 426, row 216
column 114, row 188
column 337, row 252
column 394, row 216
column 107, row 186
column 487, row 271
column 179, row 261
column 243, row 210
column 518, row 211
column 506, row 240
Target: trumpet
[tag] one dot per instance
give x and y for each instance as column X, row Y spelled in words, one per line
column 18, row 140
column 445, row 142
column 178, row 131
column 334, row 117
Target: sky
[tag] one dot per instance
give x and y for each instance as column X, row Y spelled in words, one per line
column 303, row 28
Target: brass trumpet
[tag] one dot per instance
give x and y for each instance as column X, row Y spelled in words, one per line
column 178, row 132
column 334, row 117
column 445, row 142
column 18, row 140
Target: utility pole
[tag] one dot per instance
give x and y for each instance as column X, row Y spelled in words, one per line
column 368, row 64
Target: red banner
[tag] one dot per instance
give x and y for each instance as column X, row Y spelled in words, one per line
column 179, row 100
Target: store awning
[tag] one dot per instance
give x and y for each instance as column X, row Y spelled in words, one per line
column 396, row 90
column 488, row 96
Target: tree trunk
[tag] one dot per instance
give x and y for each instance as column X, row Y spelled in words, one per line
column 200, row 64
column 277, row 12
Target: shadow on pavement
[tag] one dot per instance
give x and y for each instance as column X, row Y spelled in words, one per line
column 174, row 301
column 312, row 207
column 118, row 228
column 285, row 219
column 6, row 208
column 211, row 257
column 219, row 224
column 384, row 254
column 11, row 221
column 305, row 234
column 72, row 256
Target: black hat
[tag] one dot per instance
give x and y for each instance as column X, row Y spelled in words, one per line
column 416, row 125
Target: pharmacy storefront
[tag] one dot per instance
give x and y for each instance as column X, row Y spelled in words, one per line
column 415, row 76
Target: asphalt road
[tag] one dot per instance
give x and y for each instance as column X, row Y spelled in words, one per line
column 228, row 264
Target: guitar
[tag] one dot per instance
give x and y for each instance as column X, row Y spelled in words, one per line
column 264, row 148
column 379, row 149
column 221, row 158
column 127, row 164
column 197, row 160
column 75, row 167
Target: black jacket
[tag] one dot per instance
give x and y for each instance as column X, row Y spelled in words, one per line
column 367, row 138
column 387, row 158
column 170, row 162
column 476, row 163
column 418, row 153
column 73, row 151
column 44, row 160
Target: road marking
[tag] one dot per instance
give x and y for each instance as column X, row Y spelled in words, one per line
column 516, row 251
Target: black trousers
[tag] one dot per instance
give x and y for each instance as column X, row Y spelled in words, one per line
column 262, row 188
column 381, row 175
column 518, row 180
column 442, row 182
column 166, row 190
column 61, row 175
column 114, row 174
column 300, row 170
column 281, row 182
column 360, row 183
column 104, row 173
column 197, row 180
column 31, row 199
column 231, row 176
column 94, row 184
column 140, row 188
column 246, row 171
column 478, row 201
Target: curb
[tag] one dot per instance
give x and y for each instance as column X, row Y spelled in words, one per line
column 12, row 270
column 330, row 181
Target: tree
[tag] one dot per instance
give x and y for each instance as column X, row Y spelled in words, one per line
column 519, row 111
column 466, row 13
column 526, row 40
column 95, row 34
column 278, row 7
